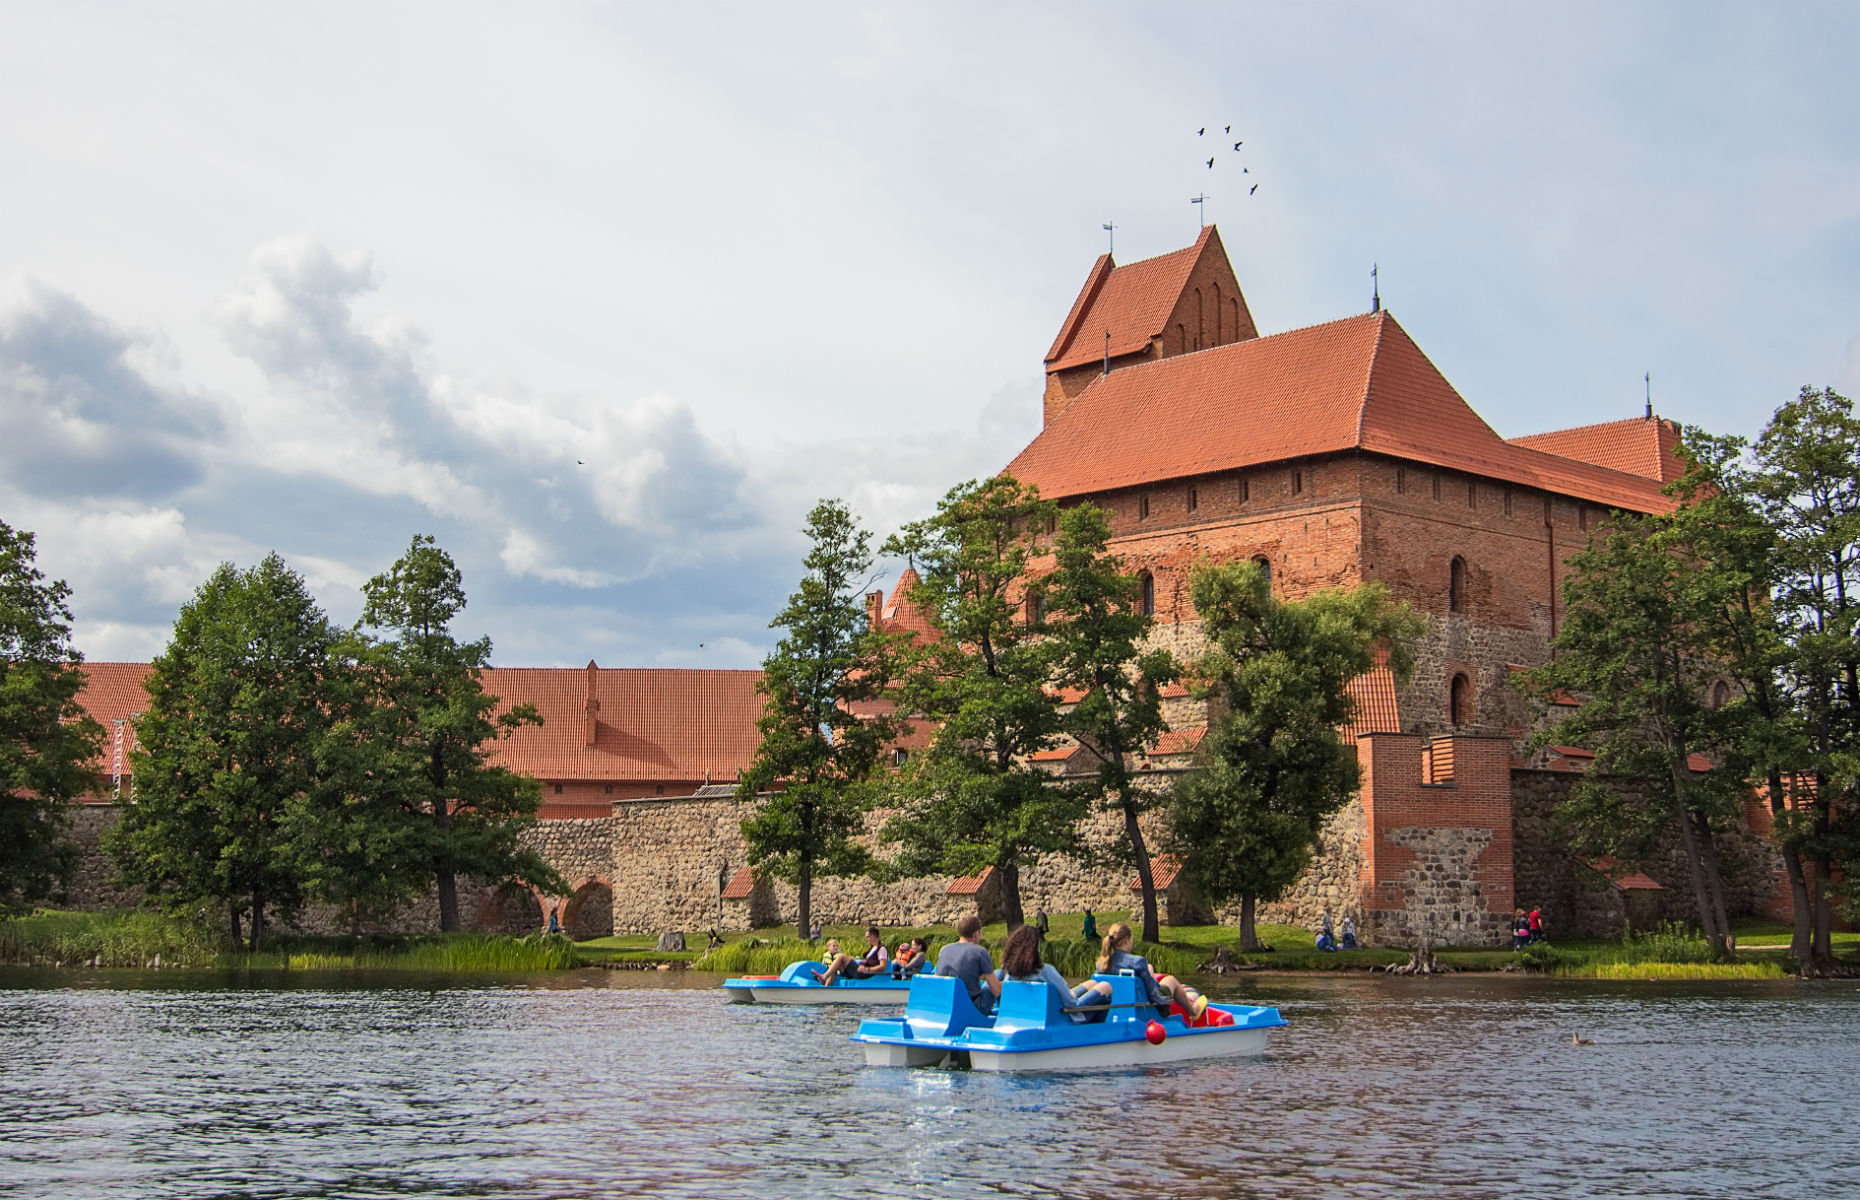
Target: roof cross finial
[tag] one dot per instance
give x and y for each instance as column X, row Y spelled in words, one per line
column 1202, row 200
column 1375, row 285
column 1110, row 227
column 1649, row 381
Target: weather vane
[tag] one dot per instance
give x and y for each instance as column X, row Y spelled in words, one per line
column 1202, row 200
column 1110, row 228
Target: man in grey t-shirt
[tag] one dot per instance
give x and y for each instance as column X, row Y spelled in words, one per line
column 969, row 961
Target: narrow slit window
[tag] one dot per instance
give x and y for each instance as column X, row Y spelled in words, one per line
column 1401, row 480
column 1298, row 483
column 1143, row 508
column 1246, row 491
column 1194, row 498
column 1147, row 602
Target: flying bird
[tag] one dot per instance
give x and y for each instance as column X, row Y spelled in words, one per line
column 1201, row 131
column 579, row 463
column 1237, row 145
column 1210, row 164
column 1246, row 170
column 1252, row 189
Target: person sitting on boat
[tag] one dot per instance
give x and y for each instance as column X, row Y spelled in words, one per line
column 872, row 962
column 912, row 957
column 832, row 951
column 1346, row 934
column 968, row 960
column 1021, row 963
column 1161, row 990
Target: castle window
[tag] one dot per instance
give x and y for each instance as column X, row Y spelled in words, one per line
column 1246, row 491
column 900, row 756
column 1147, row 604
column 1181, row 338
column 1298, row 483
column 1401, row 480
column 1472, row 494
column 1036, row 609
column 1194, row 498
column 1052, row 524
column 1143, row 508
column 1234, row 304
column 659, row 791
column 1507, row 501
column 1218, row 331
column 558, row 789
column 1459, row 702
column 1582, row 517
column 1201, row 322
column 1265, row 566
column 1436, row 487
column 610, row 789
column 1456, row 585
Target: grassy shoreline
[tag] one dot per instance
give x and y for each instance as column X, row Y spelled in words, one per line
column 140, row 939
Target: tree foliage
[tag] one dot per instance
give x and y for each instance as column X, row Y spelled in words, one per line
column 420, row 801
column 1088, row 608
column 226, row 755
column 1274, row 766
column 972, row 799
column 47, row 741
column 824, row 721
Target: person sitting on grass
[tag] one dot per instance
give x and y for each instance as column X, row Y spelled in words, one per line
column 872, row 962
column 1346, row 934
column 1161, row 990
column 1021, row 963
column 1327, row 937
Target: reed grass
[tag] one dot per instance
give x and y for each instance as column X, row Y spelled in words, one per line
column 1766, row 969
column 106, row 939
column 467, row 952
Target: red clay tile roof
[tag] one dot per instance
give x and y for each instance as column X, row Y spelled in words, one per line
column 1640, row 446
column 741, row 885
column 1056, row 754
column 113, row 692
column 1178, row 741
column 1132, row 303
column 1376, row 710
column 652, row 724
column 900, row 614
column 1163, row 870
column 1627, row 881
column 1356, row 384
column 968, row 885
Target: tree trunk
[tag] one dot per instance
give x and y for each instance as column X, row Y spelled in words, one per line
column 1823, row 945
column 1802, row 939
column 258, row 920
column 1249, row 937
column 355, row 919
column 804, row 885
column 442, row 870
column 1701, row 891
column 1152, row 929
column 1714, row 878
column 1010, row 894
column 237, row 934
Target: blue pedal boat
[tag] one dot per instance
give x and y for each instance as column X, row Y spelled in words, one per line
column 797, row 985
column 1030, row 1031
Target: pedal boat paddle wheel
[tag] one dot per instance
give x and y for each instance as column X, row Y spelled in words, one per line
column 1032, row 1031
column 798, row 985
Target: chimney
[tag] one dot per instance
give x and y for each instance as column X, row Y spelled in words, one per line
column 592, row 707
column 874, row 606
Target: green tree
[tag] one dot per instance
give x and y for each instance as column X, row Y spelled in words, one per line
column 227, row 751
column 972, row 799
column 1731, row 559
column 1274, row 765
column 418, row 758
column 1807, row 480
column 824, row 724
column 47, row 741
column 1089, row 609
column 1632, row 650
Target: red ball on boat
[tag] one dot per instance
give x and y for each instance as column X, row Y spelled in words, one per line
column 1155, row 1033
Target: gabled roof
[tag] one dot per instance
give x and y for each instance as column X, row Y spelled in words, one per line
column 1355, row 384
column 651, row 723
column 742, row 884
column 113, row 692
column 1645, row 446
column 1375, row 711
column 1163, row 871
column 1132, row 303
column 900, row 614
column 968, row 885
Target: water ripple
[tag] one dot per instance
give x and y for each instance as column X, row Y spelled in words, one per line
column 612, row 1085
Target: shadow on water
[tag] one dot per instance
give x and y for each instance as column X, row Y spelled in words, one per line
column 638, row 1083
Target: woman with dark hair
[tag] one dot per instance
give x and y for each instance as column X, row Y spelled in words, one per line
column 1021, row 963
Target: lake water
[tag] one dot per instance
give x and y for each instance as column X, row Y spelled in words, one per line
column 621, row 1084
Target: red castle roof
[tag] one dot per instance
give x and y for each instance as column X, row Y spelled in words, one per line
column 1355, row 384
column 1131, row 303
column 1645, row 446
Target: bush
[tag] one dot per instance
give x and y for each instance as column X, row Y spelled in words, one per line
column 1672, row 942
column 1542, row 956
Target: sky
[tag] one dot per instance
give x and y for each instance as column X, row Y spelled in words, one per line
column 605, row 297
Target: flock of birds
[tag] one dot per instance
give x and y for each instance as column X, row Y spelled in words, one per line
column 1228, row 129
